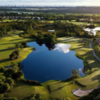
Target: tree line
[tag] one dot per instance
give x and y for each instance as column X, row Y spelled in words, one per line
column 4, row 29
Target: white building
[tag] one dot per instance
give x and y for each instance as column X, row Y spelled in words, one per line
column 51, row 30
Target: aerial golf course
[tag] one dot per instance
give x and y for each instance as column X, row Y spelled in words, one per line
column 52, row 89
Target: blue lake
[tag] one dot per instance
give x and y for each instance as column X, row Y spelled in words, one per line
column 57, row 64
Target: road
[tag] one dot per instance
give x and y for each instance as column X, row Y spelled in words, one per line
column 94, row 51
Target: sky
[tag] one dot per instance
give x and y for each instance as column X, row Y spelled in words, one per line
column 52, row 2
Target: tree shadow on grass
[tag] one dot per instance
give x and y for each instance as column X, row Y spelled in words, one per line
column 49, row 88
column 15, row 39
column 5, row 43
column 96, row 78
column 79, row 84
column 60, row 87
column 7, row 49
column 4, row 60
column 94, row 63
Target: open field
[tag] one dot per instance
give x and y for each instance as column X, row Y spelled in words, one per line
column 7, row 46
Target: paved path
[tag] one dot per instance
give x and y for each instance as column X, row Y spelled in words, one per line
column 94, row 51
column 81, row 93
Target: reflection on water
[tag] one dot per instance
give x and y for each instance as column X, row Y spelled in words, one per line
column 93, row 31
column 49, row 63
column 81, row 71
column 62, row 47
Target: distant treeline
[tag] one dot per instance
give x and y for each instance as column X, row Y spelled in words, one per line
column 31, row 28
column 50, row 16
column 89, row 10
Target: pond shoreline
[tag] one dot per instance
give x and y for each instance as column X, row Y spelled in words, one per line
column 60, row 47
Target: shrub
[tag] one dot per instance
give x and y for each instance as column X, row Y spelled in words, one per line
column 69, row 79
column 1, row 83
column 16, row 52
column 94, row 39
column 34, row 48
column 24, row 44
column 29, row 97
column 10, row 81
column 3, row 78
column 2, row 69
column 97, row 98
column 10, row 71
column 37, row 97
column 17, row 75
column 5, row 87
column 14, row 55
column 17, row 45
column 75, row 73
column 88, row 72
column 89, row 97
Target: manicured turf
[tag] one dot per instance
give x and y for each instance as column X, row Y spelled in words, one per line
column 7, row 46
column 57, row 89
column 22, row 90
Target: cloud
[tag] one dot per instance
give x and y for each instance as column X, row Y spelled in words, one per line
column 62, row 47
column 51, row 2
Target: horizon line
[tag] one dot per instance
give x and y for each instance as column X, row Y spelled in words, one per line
column 51, row 5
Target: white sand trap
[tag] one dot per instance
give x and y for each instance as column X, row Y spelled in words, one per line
column 81, row 93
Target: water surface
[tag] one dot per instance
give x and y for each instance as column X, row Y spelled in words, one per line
column 45, row 64
column 93, row 31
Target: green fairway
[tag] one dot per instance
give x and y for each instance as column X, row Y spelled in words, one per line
column 7, row 46
column 23, row 90
column 57, row 89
